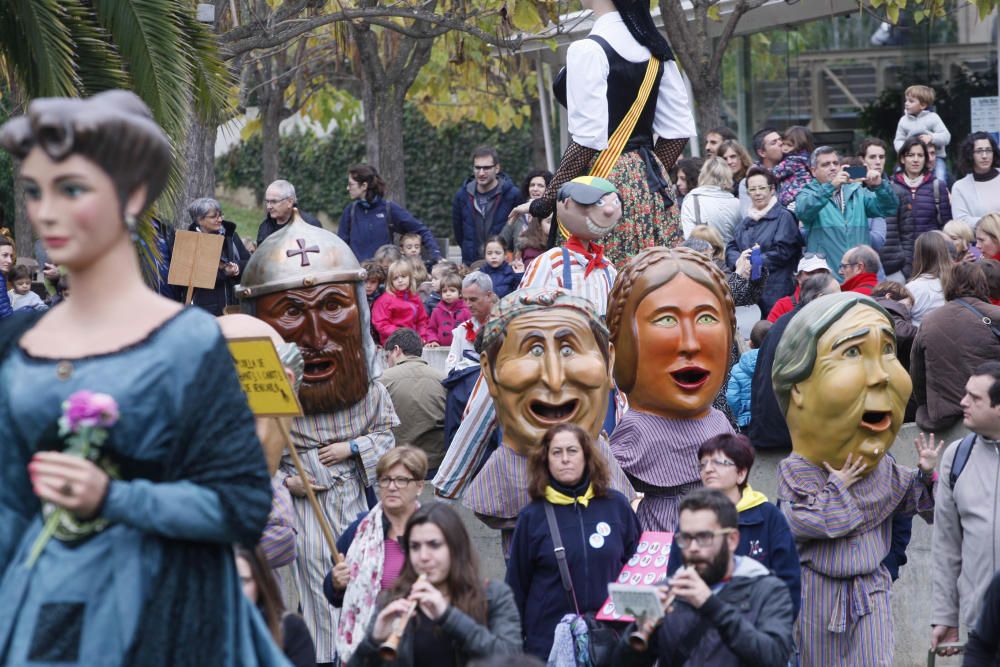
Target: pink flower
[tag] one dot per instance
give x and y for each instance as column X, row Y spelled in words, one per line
column 89, row 409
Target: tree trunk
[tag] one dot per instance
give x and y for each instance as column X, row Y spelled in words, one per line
column 707, row 92
column 384, row 140
column 384, row 84
column 199, row 163
column 272, row 99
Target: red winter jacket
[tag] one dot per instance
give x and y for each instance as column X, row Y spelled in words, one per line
column 785, row 304
column 861, row 283
column 444, row 319
column 395, row 310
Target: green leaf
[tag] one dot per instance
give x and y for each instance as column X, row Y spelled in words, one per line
column 38, row 47
column 526, row 16
column 713, row 13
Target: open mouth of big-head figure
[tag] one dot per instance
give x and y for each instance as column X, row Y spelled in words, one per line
column 876, row 420
column 554, row 413
column 317, row 370
column 691, row 377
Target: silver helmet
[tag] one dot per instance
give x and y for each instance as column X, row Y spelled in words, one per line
column 298, row 256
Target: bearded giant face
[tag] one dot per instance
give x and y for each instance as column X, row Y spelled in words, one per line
column 548, row 369
column 325, row 322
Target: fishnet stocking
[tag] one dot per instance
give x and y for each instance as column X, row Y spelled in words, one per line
column 669, row 151
column 575, row 162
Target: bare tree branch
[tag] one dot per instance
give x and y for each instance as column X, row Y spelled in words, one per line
column 276, row 31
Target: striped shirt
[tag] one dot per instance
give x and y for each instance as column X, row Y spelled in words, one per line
column 843, row 534
column 369, row 423
column 660, row 457
column 278, row 540
column 469, row 446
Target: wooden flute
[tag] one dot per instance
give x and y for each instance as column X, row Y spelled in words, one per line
column 389, row 649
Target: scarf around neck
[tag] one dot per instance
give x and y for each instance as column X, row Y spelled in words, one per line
column 756, row 214
column 560, row 494
column 592, row 252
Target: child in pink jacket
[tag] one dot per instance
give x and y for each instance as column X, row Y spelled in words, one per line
column 450, row 312
column 400, row 306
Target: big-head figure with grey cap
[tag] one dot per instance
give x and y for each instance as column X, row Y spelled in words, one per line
column 307, row 284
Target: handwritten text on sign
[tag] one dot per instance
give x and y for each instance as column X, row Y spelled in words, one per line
column 263, row 378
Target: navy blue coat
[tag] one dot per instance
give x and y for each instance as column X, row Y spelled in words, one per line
column 504, row 279
column 777, row 233
column 765, row 537
column 533, row 574
column 768, row 429
column 917, row 213
column 6, row 310
column 471, row 229
column 364, row 226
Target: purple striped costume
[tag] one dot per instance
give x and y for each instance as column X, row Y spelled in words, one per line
column 660, row 457
column 842, row 535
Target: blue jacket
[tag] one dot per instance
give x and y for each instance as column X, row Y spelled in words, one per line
column 533, row 574
column 469, row 225
column 777, row 233
column 367, row 226
column 738, row 389
column 765, row 537
column 831, row 231
column 504, row 279
column 6, row 310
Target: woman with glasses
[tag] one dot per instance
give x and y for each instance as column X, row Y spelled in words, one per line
column 924, row 205
column 771, row 227
column 374, row 554
column 459, row 616
column 725, row 462
column 206, row 217
column 598, row 529
column 978, row 193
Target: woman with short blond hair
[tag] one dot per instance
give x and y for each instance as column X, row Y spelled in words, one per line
column 712, row 203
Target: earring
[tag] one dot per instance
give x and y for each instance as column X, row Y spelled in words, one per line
column 133, row 227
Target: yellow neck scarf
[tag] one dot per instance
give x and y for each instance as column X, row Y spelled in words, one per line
column 560, row 498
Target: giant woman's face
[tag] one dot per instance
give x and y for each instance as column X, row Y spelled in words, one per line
column 325, row 323
column 549, row 370
column 682, row 335
column 854, row 399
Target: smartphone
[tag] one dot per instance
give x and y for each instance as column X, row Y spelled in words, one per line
column 857, row 172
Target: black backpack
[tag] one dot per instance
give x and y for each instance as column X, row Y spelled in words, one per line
column 961, row 458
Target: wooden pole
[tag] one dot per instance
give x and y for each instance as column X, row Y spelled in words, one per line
column 311, row 497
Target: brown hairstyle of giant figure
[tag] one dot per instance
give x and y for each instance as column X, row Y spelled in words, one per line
column 672, row 309
column 306, row 283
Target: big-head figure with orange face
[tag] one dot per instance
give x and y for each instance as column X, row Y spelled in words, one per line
column 308, row 285
column 545, row 360
column 843, row 391
column 672, row 322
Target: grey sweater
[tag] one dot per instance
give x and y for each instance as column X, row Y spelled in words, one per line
column 925, row 122
column 965, row 550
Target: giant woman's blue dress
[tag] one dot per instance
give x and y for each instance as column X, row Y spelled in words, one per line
column 158, row 585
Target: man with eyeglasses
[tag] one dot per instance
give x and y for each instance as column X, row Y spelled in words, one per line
column 483, row 203
column 720, row 609
column 859, row 269
column 834, row 208
column 280, row 203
